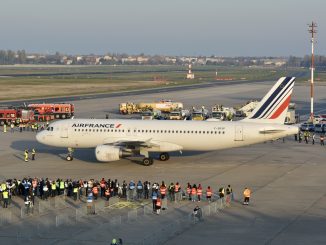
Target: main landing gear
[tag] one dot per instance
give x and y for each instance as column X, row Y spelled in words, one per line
column 147, row 161
column 164, row 156
column 70, row 156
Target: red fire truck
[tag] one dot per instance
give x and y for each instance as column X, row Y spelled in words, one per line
column 7, row 116
column 47, row 112
column 16, row 116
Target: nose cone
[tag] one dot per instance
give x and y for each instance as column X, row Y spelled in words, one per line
column 40, row 137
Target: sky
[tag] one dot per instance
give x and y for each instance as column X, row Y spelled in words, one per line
column 167, row 27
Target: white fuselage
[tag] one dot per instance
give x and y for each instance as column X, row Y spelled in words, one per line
column 164, row 135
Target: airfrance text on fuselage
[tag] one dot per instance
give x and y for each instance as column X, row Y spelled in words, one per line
column 93, row 125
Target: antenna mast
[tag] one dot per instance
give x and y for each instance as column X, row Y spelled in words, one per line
column 313, row 31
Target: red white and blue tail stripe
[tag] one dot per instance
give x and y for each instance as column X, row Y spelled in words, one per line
column 273, row 107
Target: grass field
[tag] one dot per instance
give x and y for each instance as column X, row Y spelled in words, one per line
column 23, row 82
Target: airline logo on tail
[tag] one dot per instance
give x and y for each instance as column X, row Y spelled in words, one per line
column 276, row 100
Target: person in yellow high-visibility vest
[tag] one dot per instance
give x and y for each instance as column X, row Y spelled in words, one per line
column 33, row 154
column 5, row 128
column 5, row 196
column 26, row 155
column 246, row 195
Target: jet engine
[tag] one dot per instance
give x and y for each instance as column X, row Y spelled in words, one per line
column 108, row 153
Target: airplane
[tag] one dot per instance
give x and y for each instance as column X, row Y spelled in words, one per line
column 114, row 139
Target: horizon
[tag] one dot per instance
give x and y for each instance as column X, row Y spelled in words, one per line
column 225, row 29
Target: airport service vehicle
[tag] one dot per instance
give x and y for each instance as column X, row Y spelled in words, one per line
column 47, row 112
column 179, row 115
column 118, row 138
column 222, row 113
column 199, row 115
column 307, row 127
column 7, row 116
column 16, row 116
column 291, row 117
column 162, row 105
column 246, row 109
column 128, row 108
column 320, row 128
column 150, row 115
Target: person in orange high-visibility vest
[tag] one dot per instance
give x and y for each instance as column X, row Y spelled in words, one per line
column 209, row 193
column 189, row 191
column 107, row 194
column 246, row 195
column 95, row 192
column 158, row 205
column 163, row 190
column 193, row 193
column 199, row 192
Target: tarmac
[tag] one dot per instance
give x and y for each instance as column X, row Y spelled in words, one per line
column 288, row 203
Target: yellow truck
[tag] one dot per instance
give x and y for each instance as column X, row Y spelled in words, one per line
column 163, row 105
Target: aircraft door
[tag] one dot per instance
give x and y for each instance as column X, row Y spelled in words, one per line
column 64, row 131
column 238, row 133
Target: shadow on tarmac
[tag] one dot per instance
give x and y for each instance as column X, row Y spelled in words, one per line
column 84, row 154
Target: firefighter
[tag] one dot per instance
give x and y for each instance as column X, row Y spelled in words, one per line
column 33, row 154
column 26, row 155
column 5, row 128
column 12, row 127
column 246, row 195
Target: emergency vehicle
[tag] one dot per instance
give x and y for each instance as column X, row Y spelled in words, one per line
column 47, row 112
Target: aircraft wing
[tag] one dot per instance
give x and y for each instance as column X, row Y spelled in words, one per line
column 129, row 142
column 146, row 143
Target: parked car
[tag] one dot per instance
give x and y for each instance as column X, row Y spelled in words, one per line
column 320, row 128
column 307, row 127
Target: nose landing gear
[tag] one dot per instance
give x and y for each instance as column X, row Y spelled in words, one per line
column 70, row 156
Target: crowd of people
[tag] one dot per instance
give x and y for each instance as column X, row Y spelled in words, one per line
column 45, row 188
column 33, row 127
column 307, row 136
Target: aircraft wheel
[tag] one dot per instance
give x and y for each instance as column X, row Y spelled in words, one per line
column 147, row 161
column 164, row 156
column 69, row 158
